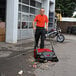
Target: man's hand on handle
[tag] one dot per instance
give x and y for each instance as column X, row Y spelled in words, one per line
column 46, row 26
column 46, row 29
column 34, row 26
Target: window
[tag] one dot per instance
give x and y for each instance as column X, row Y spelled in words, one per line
column 32, row 3
column 32, row 10
column 19, row 0
column 50, row 24
column 19, row 17
column 25, row 9
column 19, row 7
column 51, row 19
column 24, row 25
column 35, row 4
column 25, row 1
column 36, row 11
column 38, row 4
column 19, row 25
column 31, row 17
column 30, row 25
column 24, row 17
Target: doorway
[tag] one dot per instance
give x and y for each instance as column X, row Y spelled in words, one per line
column 2, row 19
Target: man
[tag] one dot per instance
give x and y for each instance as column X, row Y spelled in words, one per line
column 40, row 20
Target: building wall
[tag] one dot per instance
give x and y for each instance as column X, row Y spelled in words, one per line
column 51, row 14
column 64, row 25
column 45, row 5
column 52, row 6
column 11, row 21
column 20, row 14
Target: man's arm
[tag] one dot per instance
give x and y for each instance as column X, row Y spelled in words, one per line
column 47, row 23
column 34, row 25
column 47, row 26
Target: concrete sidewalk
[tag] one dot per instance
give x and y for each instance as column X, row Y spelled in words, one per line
column 26, row 44
column 22, row 44
column 66, row 66
column 16, row 57
column 70, row 37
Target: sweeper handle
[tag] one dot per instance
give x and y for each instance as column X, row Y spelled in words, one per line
column 51, row 40
column 34, row 40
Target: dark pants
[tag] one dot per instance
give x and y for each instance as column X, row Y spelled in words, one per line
column 40, row 33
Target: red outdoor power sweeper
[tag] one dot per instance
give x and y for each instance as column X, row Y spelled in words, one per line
column 45, row 55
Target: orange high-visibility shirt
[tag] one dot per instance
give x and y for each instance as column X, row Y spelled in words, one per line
column 41, row 20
